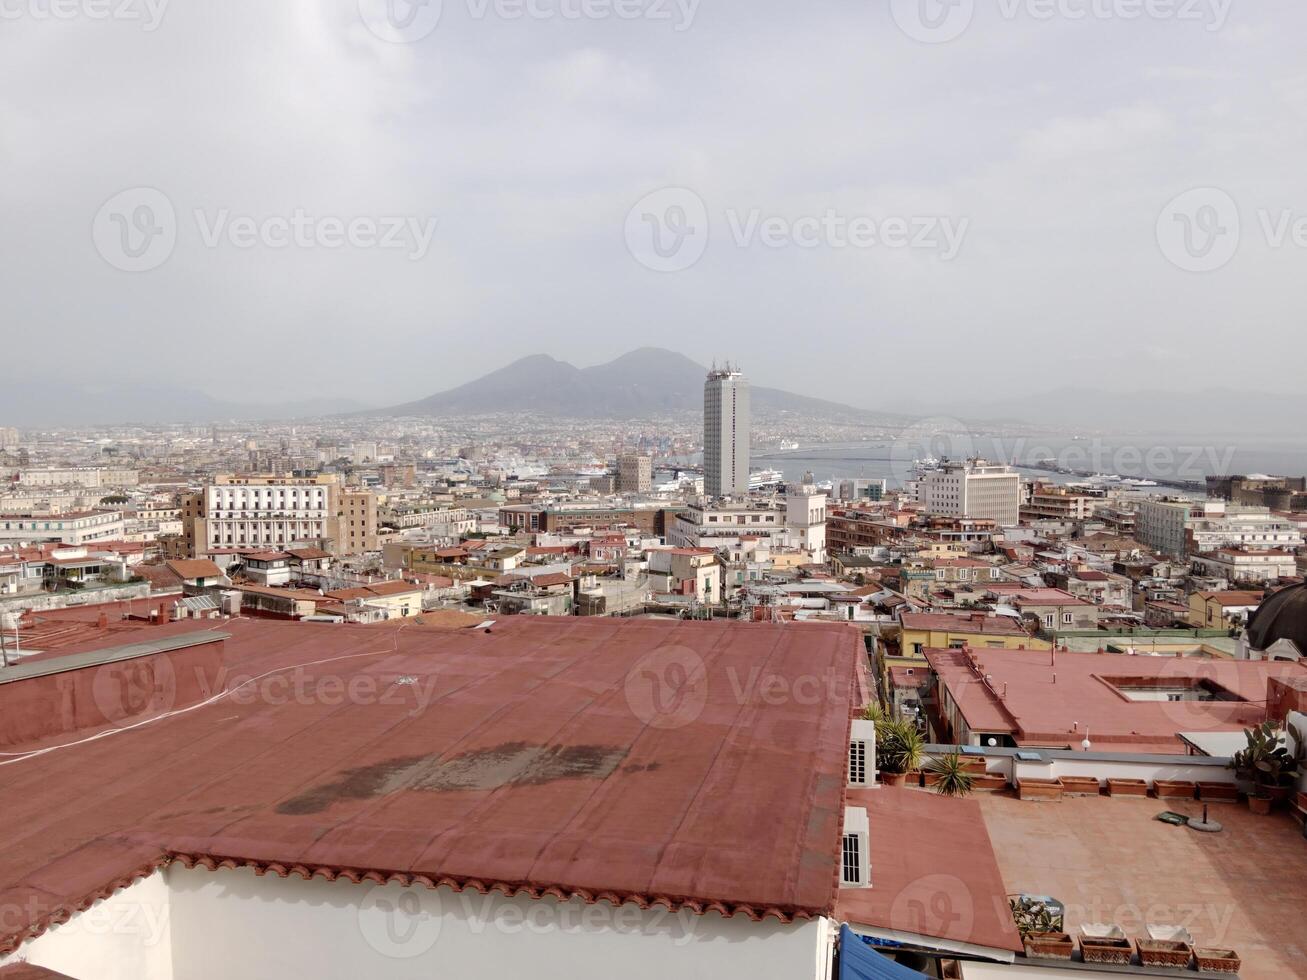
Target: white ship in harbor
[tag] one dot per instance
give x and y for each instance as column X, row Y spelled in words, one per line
column 765, row 479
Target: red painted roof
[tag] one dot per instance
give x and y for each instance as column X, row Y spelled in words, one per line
column 1039, row 696
column 529, row 757
column 933, row 871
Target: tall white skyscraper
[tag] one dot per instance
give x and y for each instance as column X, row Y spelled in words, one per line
column 725, row 433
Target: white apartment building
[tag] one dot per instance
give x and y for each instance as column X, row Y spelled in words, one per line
column 264, row 512
column 973, row 488
column 725, row 433
column 1179, row 527
column 805, row 520
column 1245, row 567
column 78, row 476
column 705, row 525
column 79, row 527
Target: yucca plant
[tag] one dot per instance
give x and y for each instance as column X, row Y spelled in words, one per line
column 873, row 712
column 952, row 776
column 899, row 746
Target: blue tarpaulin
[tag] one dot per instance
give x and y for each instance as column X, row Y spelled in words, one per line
column 858, row 961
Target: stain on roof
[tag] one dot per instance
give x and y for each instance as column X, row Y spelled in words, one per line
column 524, row 757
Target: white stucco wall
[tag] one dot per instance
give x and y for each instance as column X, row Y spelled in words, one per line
column 214, row 925
column 125, row 937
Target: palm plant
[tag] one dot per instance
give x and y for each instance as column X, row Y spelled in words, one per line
column 952, row 778
column 899, row 746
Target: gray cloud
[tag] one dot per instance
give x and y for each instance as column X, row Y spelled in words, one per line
column 528, row 140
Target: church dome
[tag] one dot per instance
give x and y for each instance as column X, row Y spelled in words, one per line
column 1281, row 616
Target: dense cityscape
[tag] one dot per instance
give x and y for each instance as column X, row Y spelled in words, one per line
column 653, row 490
column 1000, row 635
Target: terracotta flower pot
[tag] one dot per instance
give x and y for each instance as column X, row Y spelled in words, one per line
column 1218, row 793
column 1164, row 953
column 1260, row 805
column 1048, row 946
column 1039, row 789
column 893, row 778
column 990, row 781
column 1127, row 787
column 1217, row 960
column 1174, row 789
column 1099, row 950
column 1080, row 785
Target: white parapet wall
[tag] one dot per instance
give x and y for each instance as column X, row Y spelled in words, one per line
column 214, row 925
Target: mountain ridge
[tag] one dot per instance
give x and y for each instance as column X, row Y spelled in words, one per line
column 640, row 383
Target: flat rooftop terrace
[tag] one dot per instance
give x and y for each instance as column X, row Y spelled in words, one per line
column 1108, row 860
column 692, row 764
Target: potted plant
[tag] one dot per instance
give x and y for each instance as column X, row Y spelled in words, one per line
column 950, row 775
column 1267, row 765
column 899, row 749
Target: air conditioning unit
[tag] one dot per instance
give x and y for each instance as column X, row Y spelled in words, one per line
column 862, row 754
column 855, row 849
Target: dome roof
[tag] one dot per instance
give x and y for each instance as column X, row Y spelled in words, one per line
column 1281, row 616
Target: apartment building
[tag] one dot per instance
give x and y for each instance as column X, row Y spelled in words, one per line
column 278, row 512
column 1058, row 504
column 1182, row 527
column 634, row 473
column 973, row 488
column 76, row 527
column 94, row 477
column 706, row 525
column 358, row 522
column 1236, row 565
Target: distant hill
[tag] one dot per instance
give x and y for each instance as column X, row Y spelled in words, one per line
column 43, row 404
column 646, row 382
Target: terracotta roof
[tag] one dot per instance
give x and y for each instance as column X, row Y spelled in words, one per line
column 963, row 623
column 378, row 591
column 1037, row 696
column 189, row 568
column 573, row 791
column 933, row 871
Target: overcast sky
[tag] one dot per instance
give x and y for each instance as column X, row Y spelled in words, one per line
column 1033, row 159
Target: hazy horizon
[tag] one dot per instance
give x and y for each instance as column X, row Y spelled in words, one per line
column 1018, row 188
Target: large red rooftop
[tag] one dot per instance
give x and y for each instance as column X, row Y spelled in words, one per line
column 559, row 755
column 1052, row 698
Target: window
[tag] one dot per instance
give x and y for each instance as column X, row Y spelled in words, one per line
column 858, row 763
column 851, row 861
column 1068, row 617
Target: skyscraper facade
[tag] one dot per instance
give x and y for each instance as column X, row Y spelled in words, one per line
column 725, row 433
